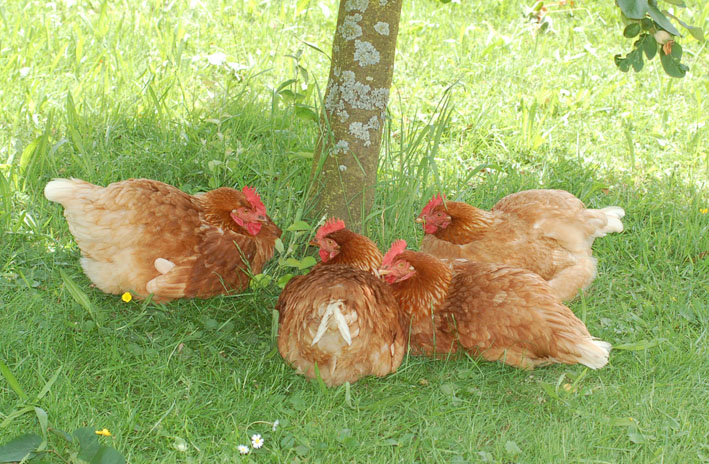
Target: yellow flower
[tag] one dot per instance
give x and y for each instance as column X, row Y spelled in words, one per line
column 704, row 210
column 105, row 432
column 126, row 297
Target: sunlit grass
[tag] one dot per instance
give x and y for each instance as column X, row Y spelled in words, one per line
column 480, row 108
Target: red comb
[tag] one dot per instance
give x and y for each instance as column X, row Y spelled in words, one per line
column 254, row 199
column 435, row 201
column 396, row 249
column 330, row 226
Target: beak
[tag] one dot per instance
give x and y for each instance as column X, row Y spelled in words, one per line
column 420, row 220
column 314, row 242
column 261, row 218
column 383, row 272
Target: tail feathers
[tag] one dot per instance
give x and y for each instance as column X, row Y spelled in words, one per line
column 333, row 311
column 594, row 353
column 63, row 190
column 614, row 214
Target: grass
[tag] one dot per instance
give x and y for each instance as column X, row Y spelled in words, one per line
column 480, row 107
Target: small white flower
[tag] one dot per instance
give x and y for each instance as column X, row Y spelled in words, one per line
column 256, row 441
column 275, row 425
column 25, row 71
column 216, row 58
column 243, row 449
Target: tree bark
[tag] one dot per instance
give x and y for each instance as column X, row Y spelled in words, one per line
column 347, row 154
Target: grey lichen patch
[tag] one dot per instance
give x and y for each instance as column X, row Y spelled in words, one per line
column 349, row 92
column 340, row 147
column 365, row 54
column 383, row 2
column 382, row 28
column 343, row 168
column 360, row 5
column 361, row 131
column 350, row 30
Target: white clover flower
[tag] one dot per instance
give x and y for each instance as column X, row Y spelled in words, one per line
column 256, row 441
column 275, row 424
column 216, row 58
column 243, row 449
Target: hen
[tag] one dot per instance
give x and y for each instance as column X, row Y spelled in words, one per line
column 494, row 311
column 148, row 237
column 339, row 315
column 549, row 232
column 339, row 245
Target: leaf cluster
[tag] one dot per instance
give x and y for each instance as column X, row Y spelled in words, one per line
column 655, row 33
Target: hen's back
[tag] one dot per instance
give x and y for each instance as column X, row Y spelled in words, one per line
column 122, row 228
column 345, row 320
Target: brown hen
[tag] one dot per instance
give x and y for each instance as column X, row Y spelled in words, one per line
column 549, row 232
column 148, row 237
column 494, row 311
column 339, row 315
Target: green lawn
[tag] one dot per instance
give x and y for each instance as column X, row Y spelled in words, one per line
column 481, row 107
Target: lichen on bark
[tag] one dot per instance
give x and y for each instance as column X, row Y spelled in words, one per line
column 347, row 153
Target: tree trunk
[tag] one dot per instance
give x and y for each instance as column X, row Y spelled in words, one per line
column 347, row 154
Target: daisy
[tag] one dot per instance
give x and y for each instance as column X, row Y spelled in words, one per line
column 243, row 449
column 256, row 441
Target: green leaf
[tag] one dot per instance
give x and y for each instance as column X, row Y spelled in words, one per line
column 49, row 384
column 306, row 113
column 19, row 448
column 677, row 2
column 14, row 384
column 662, row 20
column 279, row 246
column 632, row 29
column 307, row 262
column 646, row 24
column 298, row 225
column 636, row 59
column 88, row 443
column 641, row 345
column 649, row 46
column 284, row 279
column 622, row 63
column 107, row 455
column 512, row 448
column 43, row 420
column 634, row 9
column 671, row 63
column 62, row 434
column 78, row 295
column 696, row 32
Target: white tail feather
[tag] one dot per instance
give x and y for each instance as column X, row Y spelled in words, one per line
column 59, row 190
column 594, row 353
column 163, row 266
column 333, row 310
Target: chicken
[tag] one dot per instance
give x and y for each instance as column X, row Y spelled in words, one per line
column 495, row 311
column 549, row 232
column 339, row 245
column 148, row 237
column 340, row 316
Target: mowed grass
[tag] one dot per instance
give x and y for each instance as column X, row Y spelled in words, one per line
column 481, row 107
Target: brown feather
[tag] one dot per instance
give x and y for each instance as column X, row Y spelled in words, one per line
column 121, row 229
column 549, row 232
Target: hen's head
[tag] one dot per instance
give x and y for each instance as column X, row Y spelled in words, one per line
column 329, row 247
column 434, row 216
column 339, row 245
column 237, row 210
column 395, row 267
